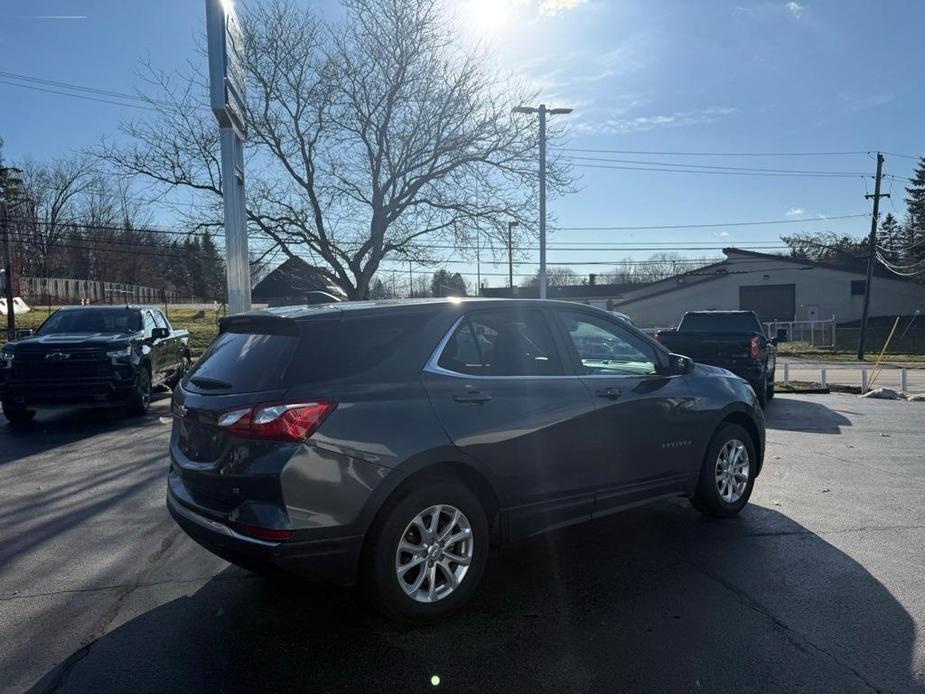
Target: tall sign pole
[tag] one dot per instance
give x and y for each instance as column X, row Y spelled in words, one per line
column 226, row 96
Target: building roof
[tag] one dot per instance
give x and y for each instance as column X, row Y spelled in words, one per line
column 878, row 269
column 294, row 277
column 576, row 291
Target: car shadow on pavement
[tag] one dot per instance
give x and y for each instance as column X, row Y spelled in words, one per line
column 804, row 415
column 656, row 599
column 53, row 428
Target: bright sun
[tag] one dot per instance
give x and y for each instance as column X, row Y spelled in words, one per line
column 488, row 16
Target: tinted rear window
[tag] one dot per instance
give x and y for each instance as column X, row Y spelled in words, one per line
column 720, row 323
column 330, row 350
column 242, row 362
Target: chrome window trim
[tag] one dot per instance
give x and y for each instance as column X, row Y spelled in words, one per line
column 433, row 366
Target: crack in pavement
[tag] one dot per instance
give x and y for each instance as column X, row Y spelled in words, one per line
column 115, row 586
column 798, row 639
column 99, row 630
column 866, row 529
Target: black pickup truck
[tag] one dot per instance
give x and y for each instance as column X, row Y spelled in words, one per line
column 733, row 340
column 92, row 356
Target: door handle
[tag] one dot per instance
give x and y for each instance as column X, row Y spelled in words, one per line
column 609, row 393
column 472, row 396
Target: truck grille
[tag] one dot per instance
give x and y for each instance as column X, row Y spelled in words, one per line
column 61, row 365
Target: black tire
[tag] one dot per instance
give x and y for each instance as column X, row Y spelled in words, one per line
column 141, row 397
column 707, row 499
column 17, row 416
column 770, row 390
column 184, row 369
column 379, row 578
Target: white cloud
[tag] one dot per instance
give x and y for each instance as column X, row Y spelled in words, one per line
column 720, row 233
column 795, row 212
column 551, row 7
column 621, row 126
column 795, row 8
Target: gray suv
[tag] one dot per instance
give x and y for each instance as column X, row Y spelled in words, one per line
column 392, row 443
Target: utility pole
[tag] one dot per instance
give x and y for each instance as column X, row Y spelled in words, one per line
column 10, row 189
column 871, row 252
column 410, row 282
column 542, row 111
column 510, row 255
column 8, row 271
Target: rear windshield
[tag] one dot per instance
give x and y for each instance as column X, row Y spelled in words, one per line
column 242, row 362
column 103, row 320
column 720, row 323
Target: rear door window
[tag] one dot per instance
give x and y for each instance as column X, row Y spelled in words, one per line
column 502, row 343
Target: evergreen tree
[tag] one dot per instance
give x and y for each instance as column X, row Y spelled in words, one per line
column 915, row 214
column 892, row 237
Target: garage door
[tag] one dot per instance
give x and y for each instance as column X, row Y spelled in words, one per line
column 769, row 301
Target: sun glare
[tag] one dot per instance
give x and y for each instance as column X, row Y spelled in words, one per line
column 488, row 16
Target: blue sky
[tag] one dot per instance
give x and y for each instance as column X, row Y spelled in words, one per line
column 642, row 75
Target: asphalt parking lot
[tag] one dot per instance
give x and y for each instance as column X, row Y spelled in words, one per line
column 817, row 586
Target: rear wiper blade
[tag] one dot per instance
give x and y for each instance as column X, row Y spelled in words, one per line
column 206, row 382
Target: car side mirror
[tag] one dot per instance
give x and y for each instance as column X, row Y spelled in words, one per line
column 678, row 364
column 24, row 332
column 159, row 333
column 782, row 335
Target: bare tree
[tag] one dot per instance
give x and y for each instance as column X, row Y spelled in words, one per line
column 371, row 138
column 52, row 195
column 556, row 276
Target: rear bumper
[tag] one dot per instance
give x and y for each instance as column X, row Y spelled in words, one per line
column 327, row 560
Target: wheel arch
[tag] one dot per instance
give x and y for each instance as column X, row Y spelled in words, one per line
column 444, row 462
column 748, row 423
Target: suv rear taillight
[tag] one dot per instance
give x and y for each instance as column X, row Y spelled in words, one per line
column 754, row 351
column 283, row 421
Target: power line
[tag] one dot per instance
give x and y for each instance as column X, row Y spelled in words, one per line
column 719, row 168
column 714, row 226
column 904, row 156
column 719, row 173
column 87, row 97
column 713, row 154
column 72, row 86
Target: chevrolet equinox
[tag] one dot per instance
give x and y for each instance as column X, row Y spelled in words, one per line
column 391, row 444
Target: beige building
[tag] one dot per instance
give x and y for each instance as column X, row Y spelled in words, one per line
column 777, row 288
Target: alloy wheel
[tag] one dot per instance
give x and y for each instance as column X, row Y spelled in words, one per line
column 732, row 470
column 434, row 553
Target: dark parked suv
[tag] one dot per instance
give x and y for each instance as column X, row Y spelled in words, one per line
column 392, row 443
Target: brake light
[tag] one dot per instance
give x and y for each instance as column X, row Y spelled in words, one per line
column 283, row 421
column 755, row 350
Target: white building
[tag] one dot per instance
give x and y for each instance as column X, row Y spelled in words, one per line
column 775, row 287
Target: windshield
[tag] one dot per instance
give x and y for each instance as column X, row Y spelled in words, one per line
column 108, row 320
column 720, row 323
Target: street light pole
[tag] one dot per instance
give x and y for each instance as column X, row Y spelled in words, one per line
column 542, row 111
column 510, row 255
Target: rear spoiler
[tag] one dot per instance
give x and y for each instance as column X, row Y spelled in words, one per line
column 267, row 323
